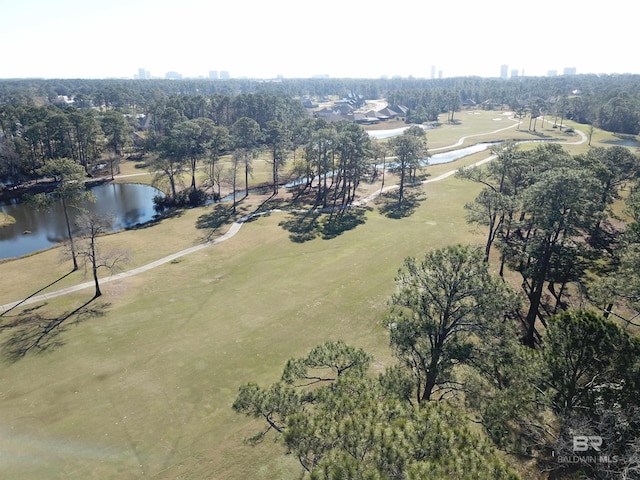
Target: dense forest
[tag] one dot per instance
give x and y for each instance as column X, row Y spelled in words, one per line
column 97, row 122
column 84, row 119
column 611, row 101
column 518, row 355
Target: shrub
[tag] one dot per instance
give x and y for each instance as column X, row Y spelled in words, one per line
column 185, row 198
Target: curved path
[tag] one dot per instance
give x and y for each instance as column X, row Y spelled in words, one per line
column 235, row 228
column 462, row 139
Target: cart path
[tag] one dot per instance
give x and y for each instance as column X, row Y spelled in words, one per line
column 235, row 228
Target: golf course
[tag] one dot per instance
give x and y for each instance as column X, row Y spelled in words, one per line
column 139, row 382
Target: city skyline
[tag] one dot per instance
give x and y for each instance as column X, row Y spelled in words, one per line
column 504, row 72
column 80, row 39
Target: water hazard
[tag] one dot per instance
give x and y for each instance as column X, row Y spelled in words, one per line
column 129, row 204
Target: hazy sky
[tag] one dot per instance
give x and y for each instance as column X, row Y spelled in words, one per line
column 295, row 38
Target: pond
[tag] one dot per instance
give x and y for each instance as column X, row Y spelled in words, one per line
column 380, row 134
column 130, row 204
column 446, row 157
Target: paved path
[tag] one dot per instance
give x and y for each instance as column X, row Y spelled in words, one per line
column 462, row 139
column 235, row 228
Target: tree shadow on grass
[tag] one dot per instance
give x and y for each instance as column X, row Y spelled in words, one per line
column 33, row 331
column 389, row 206
column 220, row 215
column 624, row 139
column 35, row 293
column 304, row 226
column 158, row 219
column 342, row 221
column 270, row 204
column 539, row 134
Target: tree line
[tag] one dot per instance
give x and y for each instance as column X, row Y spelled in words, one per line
column 608, row 101
column 551, row 216
column 187, row 133
column 104, row 120
column 30, row 135
column 329, row 159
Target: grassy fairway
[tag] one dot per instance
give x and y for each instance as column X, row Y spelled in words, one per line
column 144, row 387
column 141, row 386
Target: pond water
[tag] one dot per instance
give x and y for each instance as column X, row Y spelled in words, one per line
column 447, row 157
column 380, row 134
column 128, row 203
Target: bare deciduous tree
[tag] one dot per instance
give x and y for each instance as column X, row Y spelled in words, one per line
column 92, row 226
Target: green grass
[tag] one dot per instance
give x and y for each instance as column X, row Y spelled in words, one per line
column 155, row 376
column 142, row 386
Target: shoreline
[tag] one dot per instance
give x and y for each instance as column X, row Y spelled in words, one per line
column 34, row 187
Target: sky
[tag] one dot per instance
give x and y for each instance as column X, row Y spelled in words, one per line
column 294, row 38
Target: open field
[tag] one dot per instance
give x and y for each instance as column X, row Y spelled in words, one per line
column 140, row 383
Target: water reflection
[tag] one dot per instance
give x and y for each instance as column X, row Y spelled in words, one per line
column 129, row 204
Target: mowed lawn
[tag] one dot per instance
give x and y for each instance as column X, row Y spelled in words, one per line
column 144, row 386
column 140, row 383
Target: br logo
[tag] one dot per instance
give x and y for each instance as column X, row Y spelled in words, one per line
column 582, row 443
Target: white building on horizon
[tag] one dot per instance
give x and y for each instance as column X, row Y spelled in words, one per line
column 143, row 74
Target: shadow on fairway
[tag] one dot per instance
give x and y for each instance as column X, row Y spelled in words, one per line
column 302, row 226
column 342, row 221
column 389, row 206
column 266, row 207
column 158, row 219
column 33, row 331
column 308, row 225
column 220, row 215
column 624, row 140
column 35, row 293
column 539, row 134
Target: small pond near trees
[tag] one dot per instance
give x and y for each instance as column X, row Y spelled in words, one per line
column 129, row 204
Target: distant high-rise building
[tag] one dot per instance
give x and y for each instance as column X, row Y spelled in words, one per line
column 514, row 73
column 504, row 72
column 213, row 75
column 569, row 71
column 433, row 72
column 439, row 73
column 552, row 73
column 143, row 74
column 173, row 76
column 224, row 75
